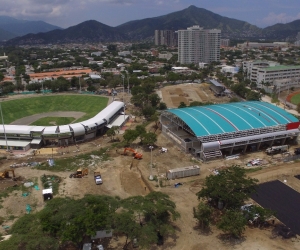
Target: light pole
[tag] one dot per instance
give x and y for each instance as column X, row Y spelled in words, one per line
column 151, row 176
column 128, row 77
column 79, row 85
column 123, row 95
column 3, row 128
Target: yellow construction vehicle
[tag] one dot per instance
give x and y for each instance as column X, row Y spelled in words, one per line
column 80, row 173
column 135, row 154
column 5, row 174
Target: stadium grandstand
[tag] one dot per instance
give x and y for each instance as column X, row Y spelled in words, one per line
column 219, row 130
column 21, row 137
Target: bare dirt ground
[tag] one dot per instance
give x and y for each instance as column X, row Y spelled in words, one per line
column 187, row 93
column 120, row 179
column 124, row 177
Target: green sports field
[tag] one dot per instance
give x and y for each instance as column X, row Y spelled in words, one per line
column 19, row 108
column 295, row 99
column 50, row 121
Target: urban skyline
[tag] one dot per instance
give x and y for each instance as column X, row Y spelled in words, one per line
column 113, row 13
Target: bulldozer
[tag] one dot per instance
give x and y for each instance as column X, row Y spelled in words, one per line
column 135, row 154
column 5, row 174
column 79, row 173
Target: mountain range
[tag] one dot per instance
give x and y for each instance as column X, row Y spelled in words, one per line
column 11, row 27
column 143, row 30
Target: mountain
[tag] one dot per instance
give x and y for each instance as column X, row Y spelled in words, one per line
column 141, row 29
column 88, row 31
column 281, row 31
column 5, row 35
column 12, row 27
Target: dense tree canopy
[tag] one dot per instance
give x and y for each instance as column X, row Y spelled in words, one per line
column 230, row 186
column 68, row 220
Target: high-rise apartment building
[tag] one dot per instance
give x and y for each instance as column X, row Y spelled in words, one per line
column 165, row 37
column 196, row 45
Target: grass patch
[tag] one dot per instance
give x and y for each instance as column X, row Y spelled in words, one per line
column 295, row 99
column 73, row 163
column 251, row 170
column 51, row 181
column 16, row 109
column 48, row 121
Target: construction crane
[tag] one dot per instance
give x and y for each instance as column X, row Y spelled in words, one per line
column 135, row 154
column 80, row 173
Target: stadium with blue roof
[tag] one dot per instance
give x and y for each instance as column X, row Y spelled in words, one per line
column 224, row 129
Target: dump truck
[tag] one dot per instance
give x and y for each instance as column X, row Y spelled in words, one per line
column 98, row 178
column 183, row 172
column 277, row 149
column 79, row 173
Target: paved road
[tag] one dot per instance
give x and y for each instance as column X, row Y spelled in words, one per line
column 30, row 119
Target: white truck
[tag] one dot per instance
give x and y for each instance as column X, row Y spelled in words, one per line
column 277, row 149
column 97, row 177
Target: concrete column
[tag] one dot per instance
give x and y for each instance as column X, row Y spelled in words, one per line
column 283, row 141
column 231, row 150
column 258, row 145
column 272, row 143
column 245, row 148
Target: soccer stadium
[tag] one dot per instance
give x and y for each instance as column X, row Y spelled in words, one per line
column 22, row 137
column 219, row 130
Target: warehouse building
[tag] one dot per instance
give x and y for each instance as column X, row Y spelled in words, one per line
column 219, row 130
column 21, row 137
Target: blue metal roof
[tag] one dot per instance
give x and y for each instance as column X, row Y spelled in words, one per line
column 232, row 117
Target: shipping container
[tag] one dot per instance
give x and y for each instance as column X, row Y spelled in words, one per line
column 183, row 172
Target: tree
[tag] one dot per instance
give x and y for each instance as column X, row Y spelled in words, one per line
column 233, row 222
column 203, row 214
column 126, row 224
column 148, row 138
column 148, row 111
column 231, row 186
column 154, row 214
column 130, row 135
column 234, row 99
column 182, row 105
column 298, row 107
column 162, row 106
column 112, row 132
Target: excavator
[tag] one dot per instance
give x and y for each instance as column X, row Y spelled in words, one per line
column 80, row 173
column 135, row 154
column 5, row 174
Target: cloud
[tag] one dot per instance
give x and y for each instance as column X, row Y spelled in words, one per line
column 279, row 18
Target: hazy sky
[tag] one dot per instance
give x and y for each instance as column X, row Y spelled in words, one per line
column 66, row 13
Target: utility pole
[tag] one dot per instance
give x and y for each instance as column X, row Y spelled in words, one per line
column 151, row 176
column 3, row 127
column 128, row 77
column 123, row 95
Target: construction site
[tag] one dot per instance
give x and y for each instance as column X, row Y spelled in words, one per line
column 29, row 179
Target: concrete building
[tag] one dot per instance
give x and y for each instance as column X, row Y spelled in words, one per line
column 225, row 42
column 196, row 45
column 165, row 37
column 256, row 45
column 269, row 72
column 218, row 130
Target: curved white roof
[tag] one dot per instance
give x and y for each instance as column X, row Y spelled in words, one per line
column 77, row 128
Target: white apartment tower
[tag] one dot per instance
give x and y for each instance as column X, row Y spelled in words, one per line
column 196, row 45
